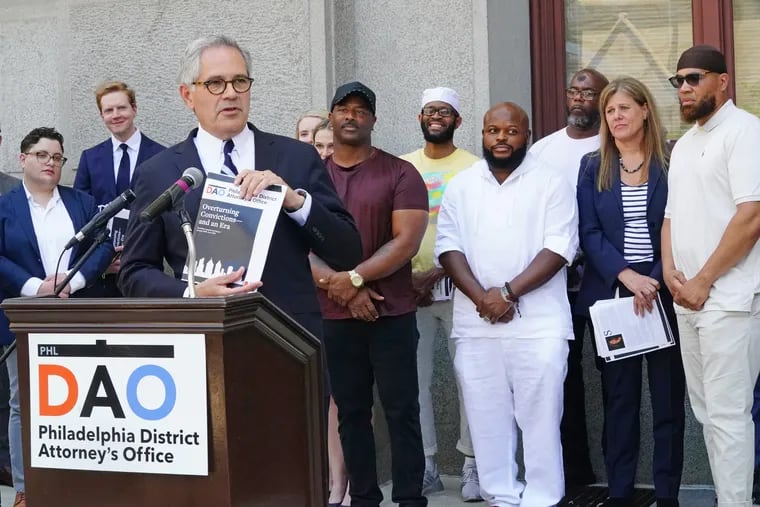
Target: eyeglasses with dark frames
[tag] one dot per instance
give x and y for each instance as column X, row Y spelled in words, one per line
column 443, row 112
column 217, row 86
column 574, row 93
column 44, row 157
column 691, row 79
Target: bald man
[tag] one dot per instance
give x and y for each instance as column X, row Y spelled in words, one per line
column 506, row 228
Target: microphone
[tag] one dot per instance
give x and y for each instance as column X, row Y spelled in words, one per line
column 191, row 179
column 101, row 219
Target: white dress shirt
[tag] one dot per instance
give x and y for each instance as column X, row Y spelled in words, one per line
column 53, row 228
column 133, row 148
column 500, row 228
column 211, row 152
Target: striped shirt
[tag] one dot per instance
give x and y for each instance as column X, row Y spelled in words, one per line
column 637, row 245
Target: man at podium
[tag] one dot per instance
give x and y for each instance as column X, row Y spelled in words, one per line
column 215, row 83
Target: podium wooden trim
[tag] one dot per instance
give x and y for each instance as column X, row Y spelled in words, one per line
column 266, row 414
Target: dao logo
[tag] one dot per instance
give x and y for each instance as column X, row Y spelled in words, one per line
column 212, row 189
column 102, row 379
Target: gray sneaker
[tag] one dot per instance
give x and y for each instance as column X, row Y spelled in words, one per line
column 431, row 483
column 470, row 484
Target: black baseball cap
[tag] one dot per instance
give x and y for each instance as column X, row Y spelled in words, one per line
column 353, row 88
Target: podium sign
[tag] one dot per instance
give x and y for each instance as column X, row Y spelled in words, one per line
column 254, row 380
column 118, row 402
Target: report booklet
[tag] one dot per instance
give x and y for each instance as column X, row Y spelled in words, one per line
column 118, row 227
column 620, row 333
column 231, row 232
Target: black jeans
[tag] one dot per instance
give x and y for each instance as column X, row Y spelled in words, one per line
column 358, row 355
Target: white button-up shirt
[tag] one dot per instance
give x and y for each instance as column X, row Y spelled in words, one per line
column 53, row 228
column 211, row 152
column 500, row 228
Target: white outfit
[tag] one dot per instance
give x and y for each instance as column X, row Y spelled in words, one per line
column 563, row 153
column 512, row 372
column 713, row 169
column 500, row 229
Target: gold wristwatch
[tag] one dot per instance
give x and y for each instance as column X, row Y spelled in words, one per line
column 356, row 279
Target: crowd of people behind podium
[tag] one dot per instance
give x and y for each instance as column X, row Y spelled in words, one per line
column 369, row 247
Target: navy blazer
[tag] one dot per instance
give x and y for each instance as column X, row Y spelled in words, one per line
column 330, row 231
column 20, row 252
column 601, row 231
column 96, row 174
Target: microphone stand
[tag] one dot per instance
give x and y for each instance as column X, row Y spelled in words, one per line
column 187, row 228
column 102, row 236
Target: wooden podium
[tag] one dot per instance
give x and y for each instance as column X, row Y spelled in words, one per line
column 264, row 399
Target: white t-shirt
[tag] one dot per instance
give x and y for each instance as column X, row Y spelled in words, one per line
column 713, row 168
column 563, row 153
column 500, row 228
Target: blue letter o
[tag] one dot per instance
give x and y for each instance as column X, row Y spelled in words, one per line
column 170, row 389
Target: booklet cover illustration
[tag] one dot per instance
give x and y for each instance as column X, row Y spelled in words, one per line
column 231, row 232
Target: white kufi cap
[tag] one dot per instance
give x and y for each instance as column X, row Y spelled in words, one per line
column 441, row 94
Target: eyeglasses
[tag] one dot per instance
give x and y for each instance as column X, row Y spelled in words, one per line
column 692, row 79
column 443, row 112
column 44, row 157
column 574, row 93
column 217, row 86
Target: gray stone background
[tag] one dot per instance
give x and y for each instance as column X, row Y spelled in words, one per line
column 53, row 53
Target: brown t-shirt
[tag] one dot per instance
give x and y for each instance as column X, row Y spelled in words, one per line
column 371, row 191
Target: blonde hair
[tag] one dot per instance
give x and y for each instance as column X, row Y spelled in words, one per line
column 323, row 125
column 322, row 114
column 114, row 86
column 654, row 134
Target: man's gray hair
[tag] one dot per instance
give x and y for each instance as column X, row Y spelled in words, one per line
column 190, row 67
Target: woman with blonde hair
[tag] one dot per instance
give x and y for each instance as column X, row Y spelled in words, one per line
column 622, row 191
column 323, row 139
column 306, row 123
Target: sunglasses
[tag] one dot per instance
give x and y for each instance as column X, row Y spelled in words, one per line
column 692, row 79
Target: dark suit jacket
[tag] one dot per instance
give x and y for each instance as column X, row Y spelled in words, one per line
column 602, row 227
column 329, row 232
column 8, row 183
column 20, row 253
column 95, row 173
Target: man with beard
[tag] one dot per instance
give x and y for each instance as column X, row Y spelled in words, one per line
column 438, row 161
column 563, row 151
column 370, row 328
column 711, row 261
column 506, row 228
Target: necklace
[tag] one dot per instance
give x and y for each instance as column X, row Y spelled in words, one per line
column 630, row 171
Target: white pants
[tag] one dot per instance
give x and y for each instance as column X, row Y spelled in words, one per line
column 721, row 360
column 506, row 383
column 434, row 321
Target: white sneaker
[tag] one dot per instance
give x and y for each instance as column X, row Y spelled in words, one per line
column 470, row 484
column 431, row 483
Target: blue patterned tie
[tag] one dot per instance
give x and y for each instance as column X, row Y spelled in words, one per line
column 228, row 163
column 122, row 177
